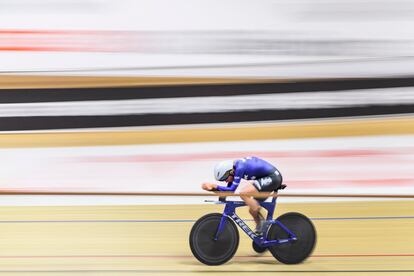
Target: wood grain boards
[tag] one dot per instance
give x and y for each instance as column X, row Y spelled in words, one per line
column 43, row 81
column 236, row 132
column 359, row 238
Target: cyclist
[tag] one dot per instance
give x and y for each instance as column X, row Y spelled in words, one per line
column 261, row 175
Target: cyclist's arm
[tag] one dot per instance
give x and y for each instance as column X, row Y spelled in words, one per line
column 230, row 188
column 236, row 181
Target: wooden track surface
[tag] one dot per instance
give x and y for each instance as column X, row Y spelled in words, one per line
column 27, row 81
column 354, row 238
column 310, row 129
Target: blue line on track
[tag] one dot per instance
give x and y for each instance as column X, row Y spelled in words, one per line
column 183, row 220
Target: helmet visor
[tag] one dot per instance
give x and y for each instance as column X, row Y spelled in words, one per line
column 225, row 175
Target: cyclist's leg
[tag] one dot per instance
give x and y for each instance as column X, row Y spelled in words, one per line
column 266, row 185
column 254, row 206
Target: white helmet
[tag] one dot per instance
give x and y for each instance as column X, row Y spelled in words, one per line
column 223, row 169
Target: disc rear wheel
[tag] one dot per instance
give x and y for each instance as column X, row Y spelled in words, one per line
column 295, row 251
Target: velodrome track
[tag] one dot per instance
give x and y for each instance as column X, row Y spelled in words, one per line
column 354, row 238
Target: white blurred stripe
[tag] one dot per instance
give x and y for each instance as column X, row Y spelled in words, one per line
column 306, row 100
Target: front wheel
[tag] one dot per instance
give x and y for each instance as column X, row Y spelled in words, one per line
column 210, row 251
column 293, row 252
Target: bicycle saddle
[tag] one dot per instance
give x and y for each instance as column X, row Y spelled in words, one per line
column 281, row 187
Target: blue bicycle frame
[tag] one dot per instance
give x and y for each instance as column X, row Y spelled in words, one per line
column 230, row 212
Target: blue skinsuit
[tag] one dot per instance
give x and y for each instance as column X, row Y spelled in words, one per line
column 249, row 168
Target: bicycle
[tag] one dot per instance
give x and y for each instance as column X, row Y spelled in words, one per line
column 214, row 238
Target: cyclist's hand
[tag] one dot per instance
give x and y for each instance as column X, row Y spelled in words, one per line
column 209, row 186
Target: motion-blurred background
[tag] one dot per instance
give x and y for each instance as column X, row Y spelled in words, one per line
column 146, row 96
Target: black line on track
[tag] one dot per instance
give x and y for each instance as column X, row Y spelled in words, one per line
column 186, row 220
column 27, row 95
column 67, row 122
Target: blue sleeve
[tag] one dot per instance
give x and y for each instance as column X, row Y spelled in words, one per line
column 231, row 188
column 239, row 171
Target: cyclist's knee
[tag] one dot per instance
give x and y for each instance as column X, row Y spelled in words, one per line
column 253, row 211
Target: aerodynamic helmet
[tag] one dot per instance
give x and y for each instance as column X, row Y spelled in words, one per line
column 223, row 169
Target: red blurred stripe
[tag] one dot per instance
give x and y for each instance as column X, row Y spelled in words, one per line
column 264, row 154
column 66, row 40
